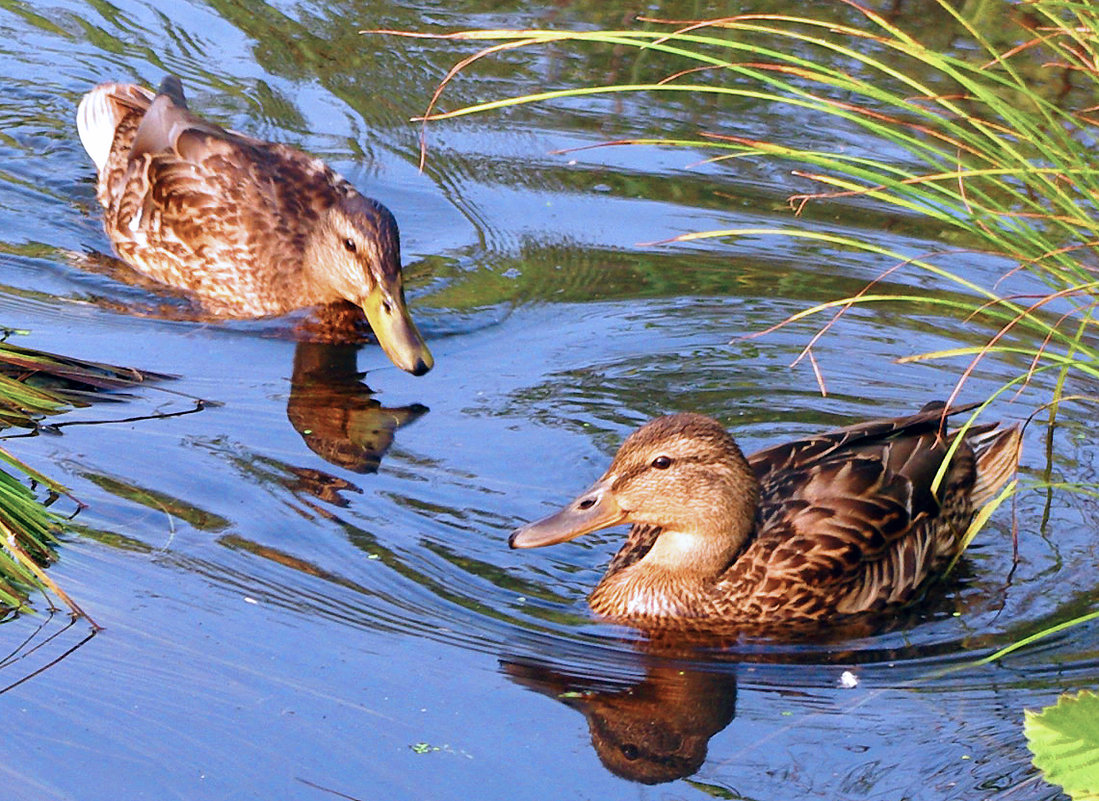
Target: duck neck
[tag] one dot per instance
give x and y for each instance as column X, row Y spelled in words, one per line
column 669, row 573
column 316, row 284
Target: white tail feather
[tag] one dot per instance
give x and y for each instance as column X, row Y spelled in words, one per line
column 99, row 113
column 96, row 122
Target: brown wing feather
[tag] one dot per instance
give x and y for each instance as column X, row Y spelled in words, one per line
column 847, row 521
column 787, row 455
column 182, row 189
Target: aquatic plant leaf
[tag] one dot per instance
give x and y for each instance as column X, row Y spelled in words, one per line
column 1002, row 162
column 1064, row 739
column 193, row 515
column 33, row 385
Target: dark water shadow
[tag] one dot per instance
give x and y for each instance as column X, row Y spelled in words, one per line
column 653, row 700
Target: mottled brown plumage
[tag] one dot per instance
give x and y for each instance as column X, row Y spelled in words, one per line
column 838, row 524
column 250, row 228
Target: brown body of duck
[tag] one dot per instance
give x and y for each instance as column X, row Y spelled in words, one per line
column 838, row 524
column 250, row 228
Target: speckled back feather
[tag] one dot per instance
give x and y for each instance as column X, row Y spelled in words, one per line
column 180, row 192
column 245, row 228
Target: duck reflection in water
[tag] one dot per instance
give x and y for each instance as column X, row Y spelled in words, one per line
column 336, row 414
column 653, row 730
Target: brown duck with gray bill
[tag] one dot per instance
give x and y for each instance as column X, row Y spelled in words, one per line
column 839, row 524
column 249, row 228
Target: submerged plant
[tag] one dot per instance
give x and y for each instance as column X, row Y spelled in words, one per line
column 35, row 385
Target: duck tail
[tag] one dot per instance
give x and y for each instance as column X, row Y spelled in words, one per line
column 100, row 112
column 997, row 451
column 172, row 86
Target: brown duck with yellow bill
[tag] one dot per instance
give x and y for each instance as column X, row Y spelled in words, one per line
column 838, row 524
column 250, row 228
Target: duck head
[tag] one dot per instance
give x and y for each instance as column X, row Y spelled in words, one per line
column 355, row 254
column 682, row 478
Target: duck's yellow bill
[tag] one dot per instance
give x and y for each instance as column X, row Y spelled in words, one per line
column 397, row 334
column 594, row 509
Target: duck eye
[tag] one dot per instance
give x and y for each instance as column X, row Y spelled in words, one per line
column 349, row 245
column 662, row 462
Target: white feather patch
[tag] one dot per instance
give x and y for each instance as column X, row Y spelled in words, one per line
column 96, row 123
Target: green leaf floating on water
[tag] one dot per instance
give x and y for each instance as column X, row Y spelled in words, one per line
column 1064, row 739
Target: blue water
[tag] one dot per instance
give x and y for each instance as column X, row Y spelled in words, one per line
column 277, row 625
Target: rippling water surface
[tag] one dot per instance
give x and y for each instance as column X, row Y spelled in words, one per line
column 305, row 587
